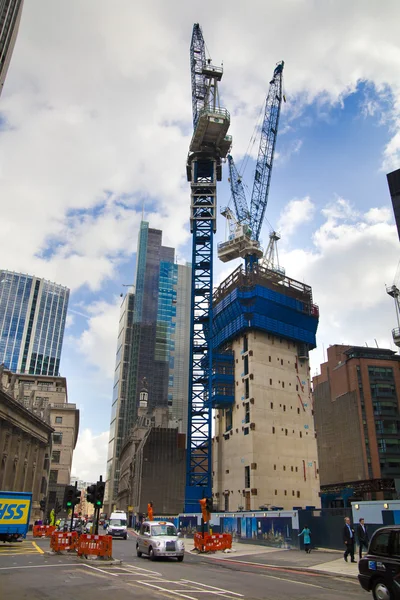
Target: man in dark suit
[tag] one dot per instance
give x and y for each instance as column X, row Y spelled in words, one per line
column 348, row 539
column 362, row 535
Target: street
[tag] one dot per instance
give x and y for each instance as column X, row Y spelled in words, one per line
column 28, row 572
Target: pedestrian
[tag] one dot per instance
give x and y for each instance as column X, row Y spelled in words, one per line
column 307, row 538
column 348, row 539
column 362, row 536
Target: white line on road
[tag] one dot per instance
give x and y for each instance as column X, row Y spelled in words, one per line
column 211, row 587
column 40, row 566
column 292, row 581
column 161, row 589
column 101, row 570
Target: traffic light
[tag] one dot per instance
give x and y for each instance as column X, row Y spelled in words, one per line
column 72, row 496
column 42, row 504
column 91, row 493
column 99, row 494
column 205, row 513
column 150, row 511
column 209, row 505
column 69, row 496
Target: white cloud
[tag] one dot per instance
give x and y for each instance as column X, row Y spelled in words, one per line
column 90, row 455
column 295, row 213
column 109, row 110
column 97, row 342
column 348, row 267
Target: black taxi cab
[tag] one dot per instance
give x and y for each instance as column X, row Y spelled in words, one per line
column 379, row 569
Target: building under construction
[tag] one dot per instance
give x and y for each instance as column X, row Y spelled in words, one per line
column 264, row 448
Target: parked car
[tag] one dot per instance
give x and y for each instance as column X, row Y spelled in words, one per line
column 379, row 569
column 159, row 538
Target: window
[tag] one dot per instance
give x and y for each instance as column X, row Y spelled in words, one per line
column 283, row 384
column 274, row 467
column 273, row 430
column 58, row 419
column 228, row 419
column 246, row 431
column 298, row 411
column 298, row 494
column 284, row 408
column 247, row 413
column 380, row 544
column 53, row 476
column 285, row 431
column 276, row 492
column 285, row 492
column 246, row 388
column 270, row 382
column 245, row 343
column 55, row 457
column 269, row 359
column 272, row 405
column 247, row 477
column 246, row 365
column 284, row 467
column 57, row 437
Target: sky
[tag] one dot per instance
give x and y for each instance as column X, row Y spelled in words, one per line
column 95, row 125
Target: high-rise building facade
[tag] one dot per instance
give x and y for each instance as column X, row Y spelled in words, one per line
column 33, row 312
column 264, row 449
column 10, row 16
column 357, row 420
column 153, row 345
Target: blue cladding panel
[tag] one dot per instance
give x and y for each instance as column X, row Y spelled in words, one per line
column 264, row 309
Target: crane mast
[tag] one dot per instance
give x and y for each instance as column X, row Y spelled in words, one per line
column 246, row 242
column 208, row 147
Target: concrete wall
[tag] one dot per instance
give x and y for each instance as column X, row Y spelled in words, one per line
column 272, row 430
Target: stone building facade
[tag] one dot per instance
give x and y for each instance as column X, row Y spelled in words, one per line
column 47, row 398
column 25, row 449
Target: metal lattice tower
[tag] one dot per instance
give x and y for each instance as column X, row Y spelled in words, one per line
column 208, row 147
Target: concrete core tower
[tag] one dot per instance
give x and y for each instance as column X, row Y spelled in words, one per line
column 264, row 448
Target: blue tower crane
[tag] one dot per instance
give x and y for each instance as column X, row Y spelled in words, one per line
column 246, row 226
column 208, row 147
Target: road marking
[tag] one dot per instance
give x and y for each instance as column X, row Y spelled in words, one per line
column 159, row 588
column 40, row 566
column 293, row 581
column 34, row 544
column 100, row 570
column 211, row 587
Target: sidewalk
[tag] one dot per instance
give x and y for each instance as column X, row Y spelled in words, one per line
column 322, row 561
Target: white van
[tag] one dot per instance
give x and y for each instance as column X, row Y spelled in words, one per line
column 117, row 525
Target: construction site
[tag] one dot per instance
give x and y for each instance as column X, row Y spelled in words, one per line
column 251, row 441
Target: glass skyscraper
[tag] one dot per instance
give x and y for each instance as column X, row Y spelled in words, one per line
column 32, row 321
column 153, row 344
column 10, row 16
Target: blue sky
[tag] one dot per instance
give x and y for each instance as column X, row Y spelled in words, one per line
column 96, row 122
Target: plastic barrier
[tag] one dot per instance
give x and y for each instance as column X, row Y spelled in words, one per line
column 95, row 545
column 39, row 530
column 50, row 529
column 212, row 542
column 64, row 540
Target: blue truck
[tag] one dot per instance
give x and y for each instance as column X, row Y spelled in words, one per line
column 15, row 512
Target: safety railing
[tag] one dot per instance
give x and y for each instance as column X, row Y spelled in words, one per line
column 211, row 542
column 63, row 541
column 43, row 530
column 95, row 545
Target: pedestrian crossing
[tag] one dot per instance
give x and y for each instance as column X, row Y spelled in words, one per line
column 19, row 549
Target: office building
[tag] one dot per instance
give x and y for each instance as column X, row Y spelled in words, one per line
column 10, row 16
column 264, row 448
column 357, row 420
column 153, row 346
column 32, row 321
